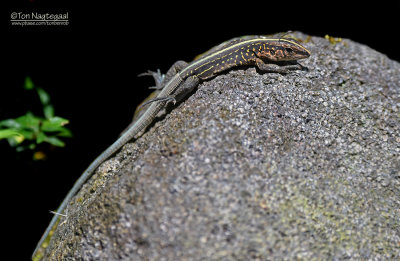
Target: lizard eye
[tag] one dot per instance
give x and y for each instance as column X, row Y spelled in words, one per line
column 289, row 50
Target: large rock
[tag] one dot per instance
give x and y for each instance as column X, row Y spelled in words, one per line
column 256, row 166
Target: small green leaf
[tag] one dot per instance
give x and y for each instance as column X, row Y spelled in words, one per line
column 15, row 141
column 43, row 95
column 28, row 121
column 41, row 137
column 64, row 132
column 28, row 134
column 54, row 124
column 48, row 111
column 55, row 141
column 9, row 133
column 28, row 83
column 10, row 123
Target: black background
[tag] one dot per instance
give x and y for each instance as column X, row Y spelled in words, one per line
column 90, row 70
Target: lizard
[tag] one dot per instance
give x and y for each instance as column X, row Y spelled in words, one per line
column 278, row 55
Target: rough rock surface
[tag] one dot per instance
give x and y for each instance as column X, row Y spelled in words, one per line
column 256, row 167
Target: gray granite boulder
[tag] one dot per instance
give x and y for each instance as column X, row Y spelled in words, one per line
column 256, row 167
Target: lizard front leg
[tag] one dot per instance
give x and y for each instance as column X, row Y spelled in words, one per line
column 272, row 67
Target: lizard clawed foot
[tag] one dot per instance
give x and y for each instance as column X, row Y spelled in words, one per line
column 157, row 76
column 167, row 100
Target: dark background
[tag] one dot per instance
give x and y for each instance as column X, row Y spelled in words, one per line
column 90, row 70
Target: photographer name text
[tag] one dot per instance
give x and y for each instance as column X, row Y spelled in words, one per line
column 34, row 16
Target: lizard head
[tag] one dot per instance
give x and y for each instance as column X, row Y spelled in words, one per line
column 284, row 50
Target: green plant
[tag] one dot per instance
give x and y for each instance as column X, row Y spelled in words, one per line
column 29, row 130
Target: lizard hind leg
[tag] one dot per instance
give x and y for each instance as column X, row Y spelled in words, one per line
column 183, row 90
column 175, row 68
column 157, row 76
column 162, row 79
column 166, row 99
column 186, row 87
